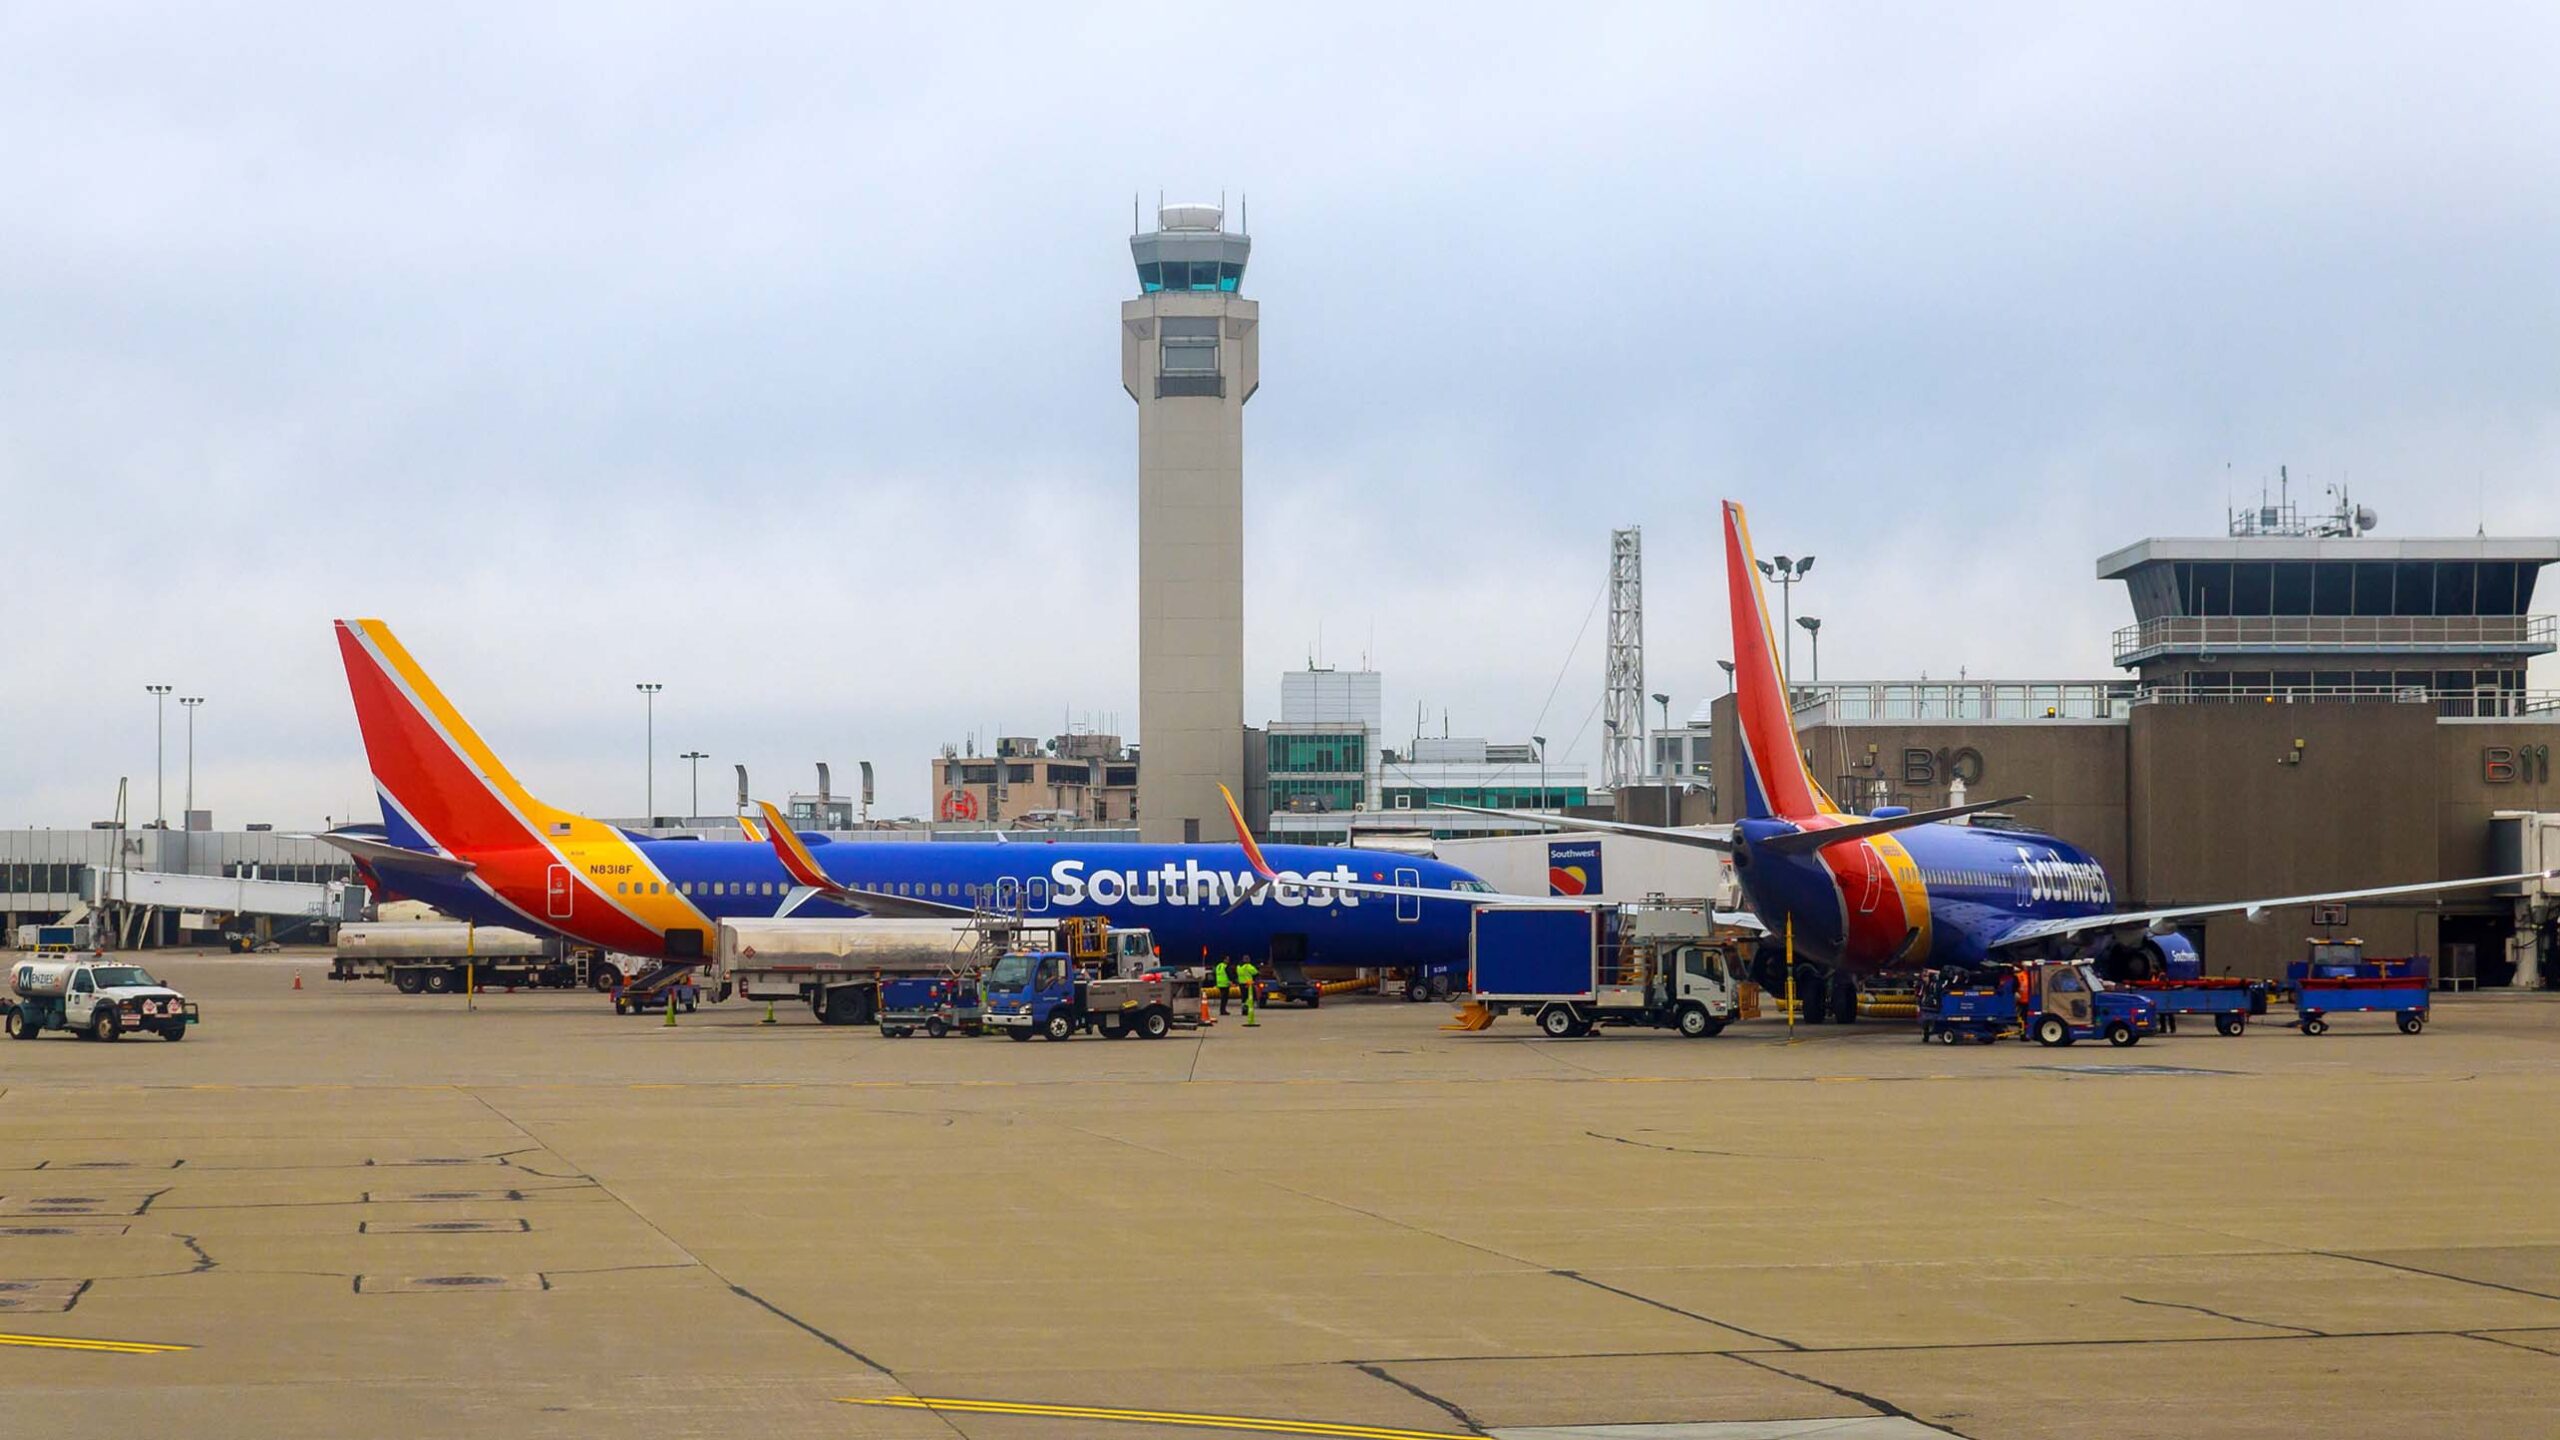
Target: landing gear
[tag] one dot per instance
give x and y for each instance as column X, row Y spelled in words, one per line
column 1844, row 999
column 1813, row 996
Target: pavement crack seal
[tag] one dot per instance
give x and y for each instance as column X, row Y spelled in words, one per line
column 1581, row 1278
column 1456, row 1411
column 743, row 1293
column 2435, row 1274
column 2234, row 1319
column 1259, row 1424
column 204, row 1262
column 1669, row 1149
column 1873, row 1402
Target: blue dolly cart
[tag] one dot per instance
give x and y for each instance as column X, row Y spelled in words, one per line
column 2338, row 979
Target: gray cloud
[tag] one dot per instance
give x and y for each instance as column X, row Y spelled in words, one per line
column 769, row 352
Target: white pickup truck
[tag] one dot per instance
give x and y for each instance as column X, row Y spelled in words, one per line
column 95, row 999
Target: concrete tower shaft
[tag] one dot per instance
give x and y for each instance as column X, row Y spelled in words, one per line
column 1190, row 355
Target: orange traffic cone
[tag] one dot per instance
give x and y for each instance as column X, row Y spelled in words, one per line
column 297, row 979
column 1204, row 1009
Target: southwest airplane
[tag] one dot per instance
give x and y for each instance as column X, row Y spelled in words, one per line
column 460, row 833
column 1900, row 889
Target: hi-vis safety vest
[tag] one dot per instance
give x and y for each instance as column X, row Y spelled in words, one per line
column 1224, row 976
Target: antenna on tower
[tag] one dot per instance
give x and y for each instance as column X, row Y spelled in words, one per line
column 1133, row 212
column 1244, row 219
column 1622, row 754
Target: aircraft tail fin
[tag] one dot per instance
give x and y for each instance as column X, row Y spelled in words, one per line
column 442, row 787
column 1775, row 781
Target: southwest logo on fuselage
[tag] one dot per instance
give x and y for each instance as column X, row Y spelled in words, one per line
column 1188, row 882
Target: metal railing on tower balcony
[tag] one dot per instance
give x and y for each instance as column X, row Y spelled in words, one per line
column 2338, row 634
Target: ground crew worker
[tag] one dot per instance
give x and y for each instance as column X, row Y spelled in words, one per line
column 1245, row 974
column 1226, row 980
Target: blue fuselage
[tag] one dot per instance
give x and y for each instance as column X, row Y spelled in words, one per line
column 1182, row 893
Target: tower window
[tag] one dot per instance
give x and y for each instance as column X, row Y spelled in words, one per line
column 1190, row 356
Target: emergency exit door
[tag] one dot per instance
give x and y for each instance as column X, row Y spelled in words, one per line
column 561, row 893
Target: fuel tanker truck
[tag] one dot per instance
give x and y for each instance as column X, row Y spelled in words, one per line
column 95, row 999
column 837, row 967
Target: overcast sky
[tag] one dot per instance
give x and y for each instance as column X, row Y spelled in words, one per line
column 771, row 354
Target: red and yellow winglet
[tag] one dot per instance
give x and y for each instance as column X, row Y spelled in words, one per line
column 1244, row 837
column 797, row 862
column 748, row 827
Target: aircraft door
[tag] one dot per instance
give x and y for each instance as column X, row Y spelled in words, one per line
column 562, row 895
column 1409, row 907
column 1873, row 888
column 1008, row 894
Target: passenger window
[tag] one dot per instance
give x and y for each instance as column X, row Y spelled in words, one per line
column 621, row 887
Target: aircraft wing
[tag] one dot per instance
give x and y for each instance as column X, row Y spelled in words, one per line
column 1804, row 841
column 1265, row 877
column 811, row 881
column 383, row 855
column 2033, row 930
column 1703, row 839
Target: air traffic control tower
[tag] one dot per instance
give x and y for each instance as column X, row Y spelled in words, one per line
column 1191, row 356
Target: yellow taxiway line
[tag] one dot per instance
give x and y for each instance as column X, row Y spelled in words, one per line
column 1260, row 1423
column 104, row 1347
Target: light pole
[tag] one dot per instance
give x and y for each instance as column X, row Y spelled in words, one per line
column 159, row 754
column 1665, row 702
column 1813, row 628
column 1541, row 742
column 1728, row 675
column 191, row 702
column 695, row 759
column 649, row 695
column 1787, row 572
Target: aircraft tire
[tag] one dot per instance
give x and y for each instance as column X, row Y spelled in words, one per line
column 1813, row 992
column 1844, row 999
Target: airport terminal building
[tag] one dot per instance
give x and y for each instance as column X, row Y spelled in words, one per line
column 2308, row 708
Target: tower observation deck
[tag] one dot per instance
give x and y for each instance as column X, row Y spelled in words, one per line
column 1190, row 356
column 2317, row 608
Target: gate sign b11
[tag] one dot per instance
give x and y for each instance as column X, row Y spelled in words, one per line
column 1573, row 867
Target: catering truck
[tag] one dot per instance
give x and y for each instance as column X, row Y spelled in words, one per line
column 837, row 967
column 1578, row 969
column 93, row 998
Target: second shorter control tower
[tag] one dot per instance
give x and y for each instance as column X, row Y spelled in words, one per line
column 1191, row 356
